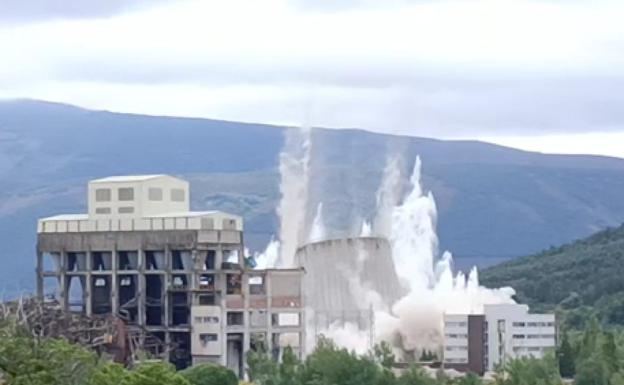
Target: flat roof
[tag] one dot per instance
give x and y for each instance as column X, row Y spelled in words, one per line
column 128, row 178
column 179, row 214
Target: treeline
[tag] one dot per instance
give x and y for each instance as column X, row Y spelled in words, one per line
column 592, row 357
column 579, row 281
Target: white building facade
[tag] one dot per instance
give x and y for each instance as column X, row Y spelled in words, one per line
column 480, row 342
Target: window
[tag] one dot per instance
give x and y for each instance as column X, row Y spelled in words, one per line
column 520, row 324
column 103, row 210
column 204, row 338
column 178, row 195
column 285, row 319
column 256, row 285
column 206, row 320
column 103, row 195
column 233, row 284
column 155, row 194
column 519, row 336
column 207, row 300
column 235, row 318
column 125, row 193
column 125, row 210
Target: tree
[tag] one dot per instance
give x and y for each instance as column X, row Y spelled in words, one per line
column 470, row 379
column 566, row 358
column 329, row 364
column 26, row 361
column 416, row 376
column 609, row 352
column 157, row 373
column 592, row 371
column 209, row 374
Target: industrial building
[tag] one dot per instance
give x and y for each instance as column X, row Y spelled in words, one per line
column 140, row 254
column 480, row 342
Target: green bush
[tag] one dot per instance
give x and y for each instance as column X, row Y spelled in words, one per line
column 209, row 374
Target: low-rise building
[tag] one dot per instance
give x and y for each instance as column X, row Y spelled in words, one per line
column 480, row 342
column 141, row 254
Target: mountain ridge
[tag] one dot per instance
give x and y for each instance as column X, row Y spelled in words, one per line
column 494, row 202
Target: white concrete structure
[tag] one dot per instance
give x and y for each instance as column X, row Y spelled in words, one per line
column 140, row 254
column 456, row 339
column 514, row 332
column 481, row 342
column 139, row 203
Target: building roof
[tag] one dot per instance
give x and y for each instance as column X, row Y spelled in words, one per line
column 128, row 178
column 67, row 217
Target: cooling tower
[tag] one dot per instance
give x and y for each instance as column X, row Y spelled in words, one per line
column 349, row 274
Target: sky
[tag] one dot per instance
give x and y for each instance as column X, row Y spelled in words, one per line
column 542, row 75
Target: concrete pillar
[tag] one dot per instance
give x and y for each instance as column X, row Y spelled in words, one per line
column 39, row 272
column 141, row 288
column 63, row 295
column 114, row 282
column 88, row 283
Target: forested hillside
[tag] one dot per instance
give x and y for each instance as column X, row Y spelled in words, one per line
column 579, row 279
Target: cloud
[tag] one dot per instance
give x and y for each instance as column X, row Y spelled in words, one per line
column 444, row 69
column 19, row 11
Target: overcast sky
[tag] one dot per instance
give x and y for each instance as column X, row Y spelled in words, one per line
column 544, row 75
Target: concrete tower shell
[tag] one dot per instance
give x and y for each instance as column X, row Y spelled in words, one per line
column 342, row 274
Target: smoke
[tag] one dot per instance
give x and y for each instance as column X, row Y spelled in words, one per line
column 318, row 233
column 268, row 258
column 366, row 230
column 433, row 288
column 294, row 172
column 408, row 220
column 387, row 198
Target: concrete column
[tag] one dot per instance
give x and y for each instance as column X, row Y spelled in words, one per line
column 114, row 282
column 63, row 295
column 88, row 283
column 164, row 295
column 39, row 272
column 141, row 288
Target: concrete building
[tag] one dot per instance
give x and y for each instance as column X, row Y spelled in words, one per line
column 141, row 254
column 480, row 342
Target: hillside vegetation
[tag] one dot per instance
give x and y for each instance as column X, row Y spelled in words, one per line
column 579, row 279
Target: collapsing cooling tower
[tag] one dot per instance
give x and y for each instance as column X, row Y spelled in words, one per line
column 348, row 275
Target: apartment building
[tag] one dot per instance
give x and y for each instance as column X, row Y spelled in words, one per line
column 141, row 254
column 479, row 342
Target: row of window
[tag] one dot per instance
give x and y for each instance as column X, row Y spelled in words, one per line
column 456, row 335
column 454, row 324
column 127, row 194
column 456, row 360
column 532, row 336
column 456, row 348
column 532, row 324
column 120, row 210
column 527, row 349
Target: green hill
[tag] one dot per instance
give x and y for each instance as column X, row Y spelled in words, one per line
column 581, row 278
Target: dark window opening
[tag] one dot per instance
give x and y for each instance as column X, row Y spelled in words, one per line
column 235, row 318
column 211, row 258
column 233, row 284
column 207, row 300
column 128, row 260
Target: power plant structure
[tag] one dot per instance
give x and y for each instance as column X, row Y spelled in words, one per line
column 141, row 255
column 142, row 258
column 345, row 279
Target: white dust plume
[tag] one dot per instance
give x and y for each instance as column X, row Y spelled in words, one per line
column 318, row 232
column 294, row 173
